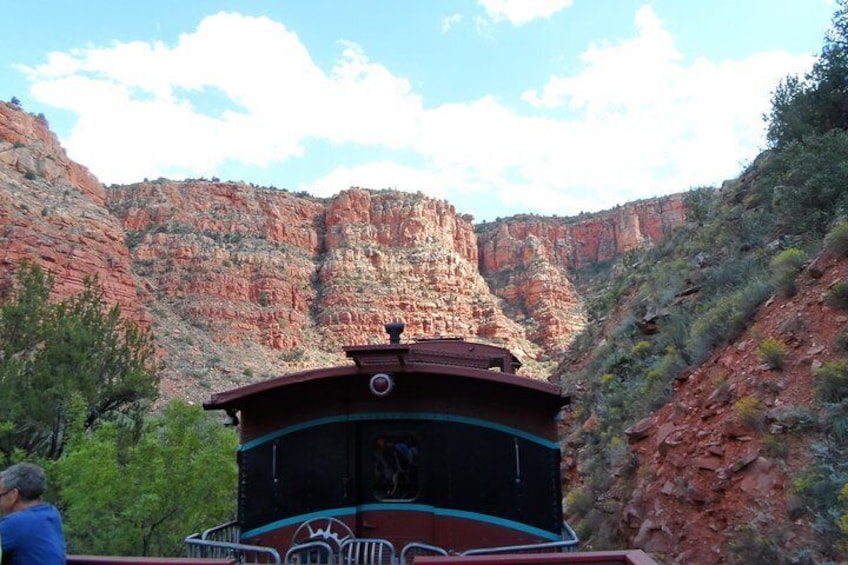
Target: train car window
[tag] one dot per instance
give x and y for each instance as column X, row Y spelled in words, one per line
column 396, row 458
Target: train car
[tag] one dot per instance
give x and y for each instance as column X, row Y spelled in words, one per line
column 435, row 443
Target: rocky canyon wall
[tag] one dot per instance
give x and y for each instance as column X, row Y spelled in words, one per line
column 240, row 283
column 53, row 214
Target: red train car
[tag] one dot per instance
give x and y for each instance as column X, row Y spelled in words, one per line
column 430, row 447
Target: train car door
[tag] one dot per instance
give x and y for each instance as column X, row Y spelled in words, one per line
column 392, row 482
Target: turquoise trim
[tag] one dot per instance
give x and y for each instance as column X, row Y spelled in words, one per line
column 499, row 522
column 376, row 507
column 378, row 416
column 410, row 507
column 335, row 513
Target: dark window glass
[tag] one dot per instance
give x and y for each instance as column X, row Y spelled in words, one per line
column 396, row 458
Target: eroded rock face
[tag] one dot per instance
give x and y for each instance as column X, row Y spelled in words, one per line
column 52, row 214
column 528, row 261
column 229, row 273
column 397, row 256
column 252, row 267
column 243, row 282
column 30, row 148
column 717, row 463
column 575, row 243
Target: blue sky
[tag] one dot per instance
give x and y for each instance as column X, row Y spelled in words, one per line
column 500, row 107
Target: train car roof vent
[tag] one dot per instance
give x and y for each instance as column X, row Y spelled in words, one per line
column 394, row 330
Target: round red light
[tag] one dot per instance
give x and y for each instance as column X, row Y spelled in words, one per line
column 381, row 384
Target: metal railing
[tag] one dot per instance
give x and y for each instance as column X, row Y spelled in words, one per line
column 569, row 543
column 367, row 551
column 222, row 541
column 414, row 549
column 242, row 553
column 310, row 553
column 229, row 532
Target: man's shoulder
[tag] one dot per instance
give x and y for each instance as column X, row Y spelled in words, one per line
column 37, row 512
column 42, row 510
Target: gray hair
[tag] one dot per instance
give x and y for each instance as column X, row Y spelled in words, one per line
column 28, row 478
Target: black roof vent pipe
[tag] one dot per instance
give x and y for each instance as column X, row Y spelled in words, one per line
column 394, row 330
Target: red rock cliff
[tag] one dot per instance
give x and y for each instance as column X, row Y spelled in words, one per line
column 52, row 214
column 243, row 282
column 528, row 260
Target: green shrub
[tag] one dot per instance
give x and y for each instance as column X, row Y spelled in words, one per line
column 837, row 421
column 818, row 484
column 840, row 341
column 836, row 240
column 608, row 381
column 772, row 353
column 124, row 483
column 843, row 498
column 785, row 268
column 579, row 502
column 755, row 547
column 832, row 381
column 730, row 274
column 837, row 296
column 776, row 447
column 750, row 412
column 293, row 355
column 641, row 349
column 656, row 388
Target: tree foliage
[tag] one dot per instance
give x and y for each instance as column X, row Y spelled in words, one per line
column 53, row 352
column 125, row 497
column 808, row 132
column 811, row 178
column 817, row 102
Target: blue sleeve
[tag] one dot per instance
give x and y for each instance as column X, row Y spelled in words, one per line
column 7, row 535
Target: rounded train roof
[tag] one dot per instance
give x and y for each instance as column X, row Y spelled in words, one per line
column 451, row 357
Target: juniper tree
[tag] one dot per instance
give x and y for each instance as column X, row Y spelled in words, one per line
column 52, row 351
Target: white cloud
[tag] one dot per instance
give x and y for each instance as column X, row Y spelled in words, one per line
column 137, row 119
column 660, row 122
column 638, row 119
column 378, row 175
column 628, row 74
column 520, row 12
column 366, row 104
column 450, row 21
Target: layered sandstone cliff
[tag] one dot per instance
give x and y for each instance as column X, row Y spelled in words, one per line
column 52, row 214
column 529, row 260
column 242, row 282
column 396, row 256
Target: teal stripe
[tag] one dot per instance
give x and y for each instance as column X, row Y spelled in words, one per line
column 499, row 522
column 379, row 416
column 350, row 510
column 335, row 513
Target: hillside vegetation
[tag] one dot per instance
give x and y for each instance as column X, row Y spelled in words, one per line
column 659, row 318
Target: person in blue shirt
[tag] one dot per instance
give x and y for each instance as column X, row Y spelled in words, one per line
column 31, row 529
